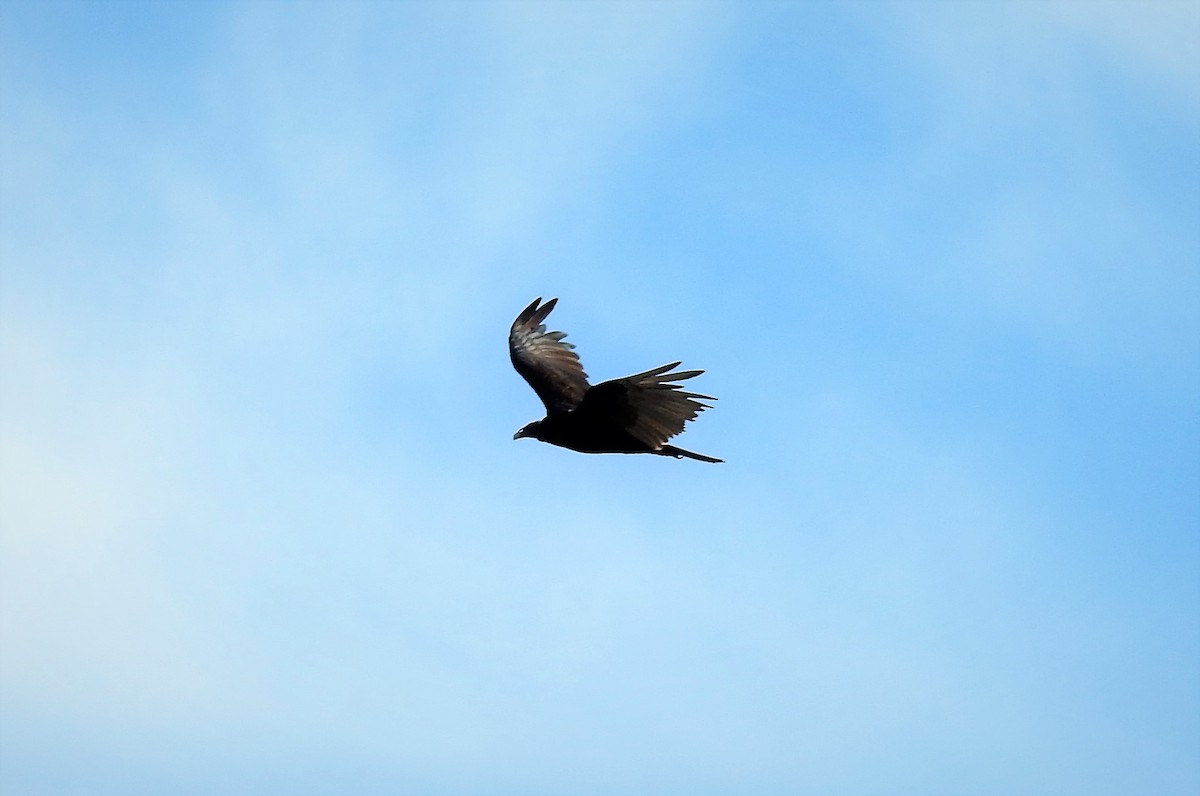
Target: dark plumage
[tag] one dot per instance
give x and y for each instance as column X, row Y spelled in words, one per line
column 636, row 414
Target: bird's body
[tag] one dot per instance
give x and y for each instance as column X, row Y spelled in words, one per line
column 636, row 414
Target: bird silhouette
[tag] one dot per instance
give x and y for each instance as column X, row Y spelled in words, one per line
column 636, row 414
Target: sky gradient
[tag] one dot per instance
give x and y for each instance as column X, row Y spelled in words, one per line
column 263, row 526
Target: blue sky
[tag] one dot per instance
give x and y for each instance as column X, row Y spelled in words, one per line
column 263, row 528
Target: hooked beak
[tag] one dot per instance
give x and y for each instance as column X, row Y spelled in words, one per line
column 519, row 434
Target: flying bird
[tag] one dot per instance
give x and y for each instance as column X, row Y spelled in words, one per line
column 636, row 414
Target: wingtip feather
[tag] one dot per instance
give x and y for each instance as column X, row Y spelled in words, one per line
column 540, row 315
column 527, row 313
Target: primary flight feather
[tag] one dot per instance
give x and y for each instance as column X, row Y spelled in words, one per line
column 636, row 414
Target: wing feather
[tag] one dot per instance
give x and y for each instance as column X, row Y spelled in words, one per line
column 650, row 406
column 543, row 359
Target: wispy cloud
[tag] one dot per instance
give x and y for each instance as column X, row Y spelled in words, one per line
column 1027, row 197
column 260, row 531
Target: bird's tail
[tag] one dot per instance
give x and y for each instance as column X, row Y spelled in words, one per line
column 680, row 453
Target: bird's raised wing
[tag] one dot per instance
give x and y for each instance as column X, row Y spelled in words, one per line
column 550, row 365
column 649, row 406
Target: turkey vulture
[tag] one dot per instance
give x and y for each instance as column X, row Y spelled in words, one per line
column 636, row 414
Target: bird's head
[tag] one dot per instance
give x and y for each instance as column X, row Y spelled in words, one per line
column 530, row 430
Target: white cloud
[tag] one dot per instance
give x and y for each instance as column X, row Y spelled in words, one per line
column 1023, row 199
column 194, row 528
column 340, row 187
column 1156, row 37
column 90, row 623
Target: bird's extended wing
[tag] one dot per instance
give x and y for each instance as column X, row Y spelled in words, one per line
column 649, row 405
column 550, row 365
